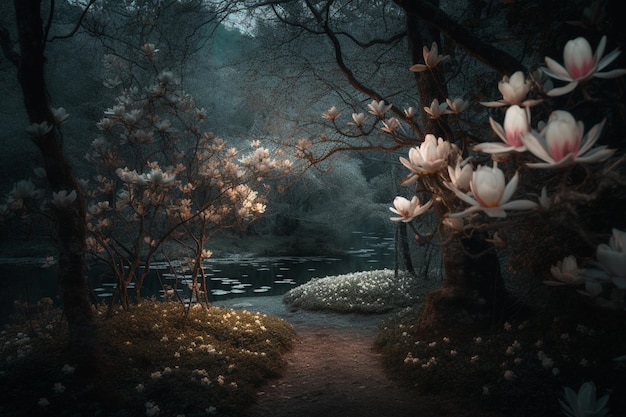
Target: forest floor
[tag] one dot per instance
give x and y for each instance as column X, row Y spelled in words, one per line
column 333, row 370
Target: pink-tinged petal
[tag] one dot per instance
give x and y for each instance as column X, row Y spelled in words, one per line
column 510, row 189
column 464, row 213
column 597, row 154
column 520, row 205
column 555, row 92
column 568, row 160
column 610, row 74
column 614, row 262
column 499, row 103
column 498, row 129
column 600, row 50
column 406, row 163
column 418, row 68
column 578, row 58
column 592, row 137
column 496, row 147
column 534, row 144
column 465, row 197
column 604, row 62
column 556, row 70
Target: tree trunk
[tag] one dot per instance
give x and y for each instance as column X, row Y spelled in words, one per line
column 69, row 219
column 473, row 290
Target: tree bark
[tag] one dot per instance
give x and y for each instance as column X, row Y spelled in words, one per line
column 473, row 290
column 69, row 219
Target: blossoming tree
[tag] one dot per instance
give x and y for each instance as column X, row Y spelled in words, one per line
column 165, row 186
column 484, row 195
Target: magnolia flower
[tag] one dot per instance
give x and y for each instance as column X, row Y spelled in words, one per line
column 379, row 108
column 390, row 125
column 581, row 65
column 358, row 118
column 23, row 190
column 490, row 193
column 612, row 259
column 332, row 113
column 516, row 125
column 428, row 158
column 455, row 223
column 156, row 176
column 409, row 113
column 63, row 198
column 436, row 110
column 561, row 142
column 408, row 210
column 59, row 115
column 461, row 175
column 514, row 91
column 431, row 59
column 566, row 272
column 39, row 129
column 544, row 201
column 584, row 403
column 458, row 105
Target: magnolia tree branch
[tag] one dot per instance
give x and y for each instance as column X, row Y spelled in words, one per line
column 491, row 56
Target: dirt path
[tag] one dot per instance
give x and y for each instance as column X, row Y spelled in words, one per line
column 332, row 369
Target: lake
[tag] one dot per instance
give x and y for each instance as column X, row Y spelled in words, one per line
column 25, row 280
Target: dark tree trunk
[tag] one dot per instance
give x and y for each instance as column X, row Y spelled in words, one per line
column 70, row 219
column 473, row 291
column 403, row 250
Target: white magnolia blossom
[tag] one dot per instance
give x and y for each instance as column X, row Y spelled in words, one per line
column 514, row 90
column 436, row 110
column 331, row 114
column 63, row 198
column 408, row 210
column 390, row 125
column 24, row 190
column 428, row 158
column 358, row 118
column 566, row 272
column 516, row 125
column 490, row 193
column 584, row 403
column 611, row 259
column 457, row 105
column 581, row 64
column 562, row 142
column 431, row 59
column 379, row 108
column 59, row 115
column 461, row 175
column 39, row 129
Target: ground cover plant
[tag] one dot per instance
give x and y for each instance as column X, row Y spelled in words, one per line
column 519, row 367
column 375, row 291
column 161, row 359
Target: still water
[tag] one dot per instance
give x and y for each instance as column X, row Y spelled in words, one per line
column 23, row 279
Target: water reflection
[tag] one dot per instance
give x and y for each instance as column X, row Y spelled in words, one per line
column 229, row 277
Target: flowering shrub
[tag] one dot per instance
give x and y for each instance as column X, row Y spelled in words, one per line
column 164, row 185
column 358, row 292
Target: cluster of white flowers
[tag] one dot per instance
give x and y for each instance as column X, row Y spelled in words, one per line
column 366, row 291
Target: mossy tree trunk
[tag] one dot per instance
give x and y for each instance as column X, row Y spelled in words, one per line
column 69, row 219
